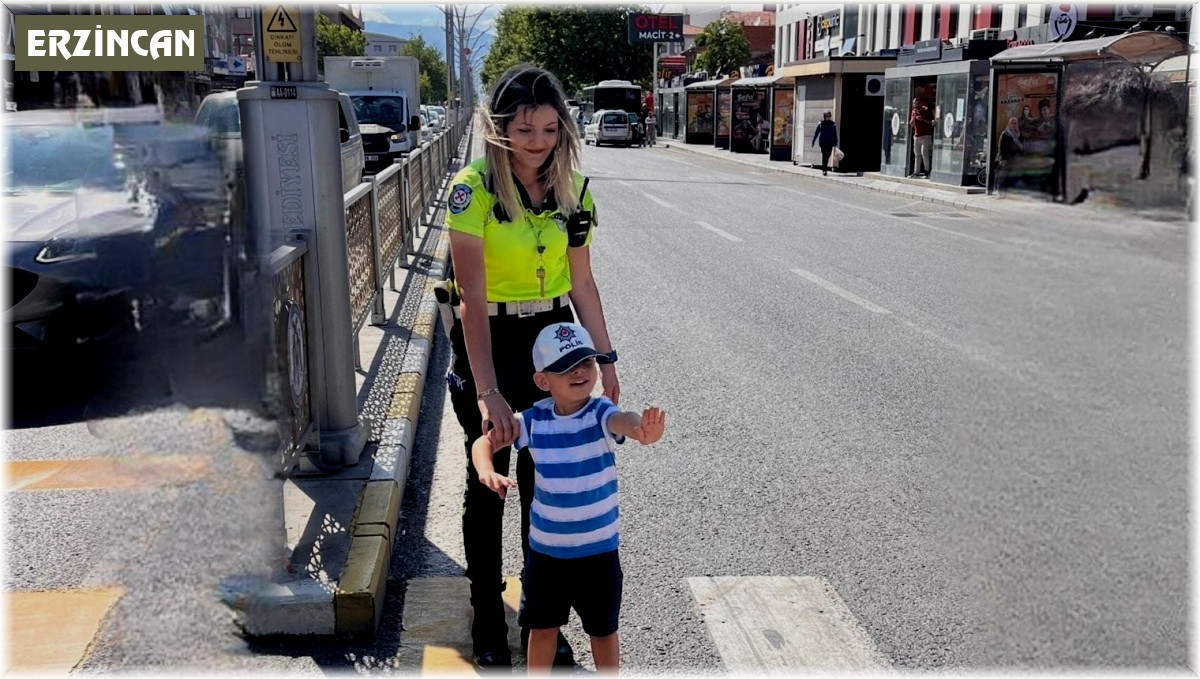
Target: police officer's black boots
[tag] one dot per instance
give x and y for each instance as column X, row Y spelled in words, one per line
column 489, row 632
column 563, row 655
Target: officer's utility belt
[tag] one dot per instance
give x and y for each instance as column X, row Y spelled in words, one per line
column 518, row 309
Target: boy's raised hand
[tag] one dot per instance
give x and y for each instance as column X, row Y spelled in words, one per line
column 497, row 483
column 654, row 421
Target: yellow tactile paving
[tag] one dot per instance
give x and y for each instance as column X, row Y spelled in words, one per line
column 51, row 631
column 112, row 473
column 437, row 625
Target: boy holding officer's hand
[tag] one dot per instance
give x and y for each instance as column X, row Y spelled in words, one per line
column 572, row 436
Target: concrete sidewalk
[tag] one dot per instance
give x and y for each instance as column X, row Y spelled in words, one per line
column 340, row 528
column 968, row 198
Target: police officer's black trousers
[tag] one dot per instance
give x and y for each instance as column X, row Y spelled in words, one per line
column 483, row 510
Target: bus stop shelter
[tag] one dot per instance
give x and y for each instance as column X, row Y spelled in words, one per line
column 762, row 116
column 1077, row 118
column 701, row 116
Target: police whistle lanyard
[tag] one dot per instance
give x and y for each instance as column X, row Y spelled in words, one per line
column 540, row 272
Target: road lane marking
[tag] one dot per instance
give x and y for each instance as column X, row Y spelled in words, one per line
column 682, row 162
column 877, row 213
column 950, row 231
column 719, row 232
column 845, row 294
column 127, row 472
column 783, row 625
column 437, row 625
column 660, row 201
column 51, row 631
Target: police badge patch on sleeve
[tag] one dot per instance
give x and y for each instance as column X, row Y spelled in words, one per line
column 460, row 198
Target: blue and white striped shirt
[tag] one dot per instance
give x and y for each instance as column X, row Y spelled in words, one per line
column 575, row 512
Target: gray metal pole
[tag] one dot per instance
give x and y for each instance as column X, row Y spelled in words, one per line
column 308, row 53
column 450, row 88
column 465, row 77
column 291, row 145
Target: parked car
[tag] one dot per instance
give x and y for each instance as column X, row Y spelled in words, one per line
column 117, row 226
column 610, row 127
column 440, row 111
column 436, row 121
column 427, row 128
column 220, row 114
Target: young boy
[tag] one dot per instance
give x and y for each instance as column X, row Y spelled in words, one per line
column 572, row 435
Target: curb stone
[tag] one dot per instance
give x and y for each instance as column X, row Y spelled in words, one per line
column 359, row 597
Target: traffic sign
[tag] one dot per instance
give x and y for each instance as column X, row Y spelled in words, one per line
column 281, row 33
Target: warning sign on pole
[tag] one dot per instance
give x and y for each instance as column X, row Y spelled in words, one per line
column 281, row 33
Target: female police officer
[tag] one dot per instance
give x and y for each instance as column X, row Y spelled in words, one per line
column 520, row 224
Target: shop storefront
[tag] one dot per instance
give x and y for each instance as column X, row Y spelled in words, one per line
column 952, row 83
column 1090, row 117
column 851, row 88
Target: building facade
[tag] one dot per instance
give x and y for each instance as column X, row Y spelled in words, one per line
column 384, row 45
column 802, row 32
column 963, row 65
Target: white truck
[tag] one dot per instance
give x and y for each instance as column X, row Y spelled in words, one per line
column 385, row 92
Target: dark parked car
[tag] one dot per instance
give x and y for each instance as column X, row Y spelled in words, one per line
column 79, row 234
column 114, row 218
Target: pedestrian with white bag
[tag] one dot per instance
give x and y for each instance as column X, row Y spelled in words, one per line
column 826, row 134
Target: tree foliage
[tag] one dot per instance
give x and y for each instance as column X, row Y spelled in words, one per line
column 580, row 45
column 433, row 69
column 337, row 41
column 724, row 48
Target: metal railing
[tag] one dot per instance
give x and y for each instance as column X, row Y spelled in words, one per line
column 291, row 350
column 382, row 216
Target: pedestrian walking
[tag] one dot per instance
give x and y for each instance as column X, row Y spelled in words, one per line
column 521, row 222
column 921, row 122
column 651, row 125
column 826, row 134
column 572, row 437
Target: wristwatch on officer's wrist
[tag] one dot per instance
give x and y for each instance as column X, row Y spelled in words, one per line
column 610, row 357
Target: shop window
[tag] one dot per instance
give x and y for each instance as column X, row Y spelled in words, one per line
column 896, row 104
column 949, row 117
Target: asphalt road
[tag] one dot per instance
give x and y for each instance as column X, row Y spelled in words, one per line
column 974, row 427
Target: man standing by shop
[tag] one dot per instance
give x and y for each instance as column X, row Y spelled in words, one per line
column 921, row 122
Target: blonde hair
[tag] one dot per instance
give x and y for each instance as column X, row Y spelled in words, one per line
column 526, row 86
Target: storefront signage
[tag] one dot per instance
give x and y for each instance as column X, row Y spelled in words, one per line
column 645, row 28
column 1063, row 20
column 828, row 23
column 928, row 50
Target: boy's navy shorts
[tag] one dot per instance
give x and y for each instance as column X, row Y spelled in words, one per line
column 590, row 584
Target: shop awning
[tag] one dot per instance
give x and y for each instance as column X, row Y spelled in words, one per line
column 764, row 81
column 1145, row 48
column 711, row 84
